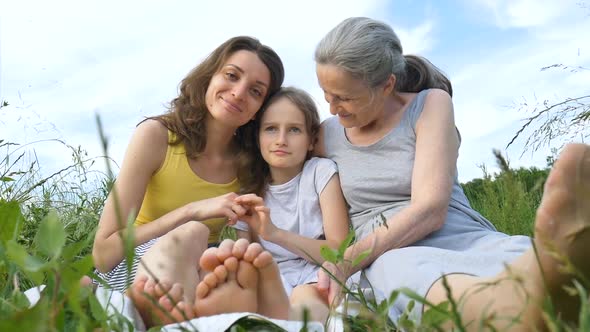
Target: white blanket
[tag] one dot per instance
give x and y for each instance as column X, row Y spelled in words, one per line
column 117, row 303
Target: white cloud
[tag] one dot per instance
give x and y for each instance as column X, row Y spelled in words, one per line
column 525, row 13
column 62, row 61
column 419, row 39
column 489, row 90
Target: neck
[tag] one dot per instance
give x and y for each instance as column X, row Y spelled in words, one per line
column 219, row 139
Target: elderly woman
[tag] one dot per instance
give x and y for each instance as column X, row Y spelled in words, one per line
column 394, row 140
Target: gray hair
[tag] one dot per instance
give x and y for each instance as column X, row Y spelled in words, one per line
column 371, row 51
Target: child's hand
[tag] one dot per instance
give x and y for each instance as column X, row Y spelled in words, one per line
column 258, row 216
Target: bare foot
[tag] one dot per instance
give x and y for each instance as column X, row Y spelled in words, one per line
column 159, row 303
column 562, row 229
column 231, row 287
column 272, row 298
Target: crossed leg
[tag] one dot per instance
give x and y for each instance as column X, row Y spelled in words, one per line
column 168, row 268
column 514, row 298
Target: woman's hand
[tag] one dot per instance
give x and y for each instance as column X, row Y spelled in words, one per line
column 217, row 207
column 258, row 216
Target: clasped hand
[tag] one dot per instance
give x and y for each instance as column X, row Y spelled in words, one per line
column 257, row 216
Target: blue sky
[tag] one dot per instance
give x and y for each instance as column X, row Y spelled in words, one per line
column 63, row 61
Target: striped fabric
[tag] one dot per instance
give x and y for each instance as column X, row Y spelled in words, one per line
column 117, row 278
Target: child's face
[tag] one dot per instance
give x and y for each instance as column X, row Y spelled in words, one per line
column 283, row 137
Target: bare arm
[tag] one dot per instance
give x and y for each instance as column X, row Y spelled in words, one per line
column 437, row 144
column 335, row 222
column 144, row 156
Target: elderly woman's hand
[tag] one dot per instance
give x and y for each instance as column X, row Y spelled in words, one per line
column 331, row 278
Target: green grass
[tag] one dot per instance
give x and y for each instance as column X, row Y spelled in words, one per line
column 47, row 226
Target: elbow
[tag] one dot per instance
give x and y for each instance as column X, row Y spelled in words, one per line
column 99, row 259
column 438, row 217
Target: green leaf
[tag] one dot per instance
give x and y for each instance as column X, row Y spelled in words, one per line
column 31, row 319
column 346, row 243
column 75, row 248
column 361, row 257
column 51, row 235
column 10, row 220
column 436, row 317
column 75, row 270
column 6, row 179
column 329, row 254
column 96, row 309
column 20, row 257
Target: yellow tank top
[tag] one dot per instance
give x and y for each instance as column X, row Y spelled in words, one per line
column 175, row 184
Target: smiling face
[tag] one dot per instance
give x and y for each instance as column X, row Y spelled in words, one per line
column 283, row 138
column 237, row 90
column 350, row 99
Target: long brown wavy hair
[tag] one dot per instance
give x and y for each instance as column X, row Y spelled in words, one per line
column 256, row 175
column 186, row 113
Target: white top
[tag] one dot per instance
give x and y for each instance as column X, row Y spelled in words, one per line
column 295, row 207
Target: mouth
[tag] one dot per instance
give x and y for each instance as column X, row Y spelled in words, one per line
column 233, row 107
column 280, row 152
column 344, row 115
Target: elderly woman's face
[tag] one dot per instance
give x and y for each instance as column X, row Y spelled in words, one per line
column 349, row 98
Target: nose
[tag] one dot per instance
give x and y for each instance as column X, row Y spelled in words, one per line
column 333, row 108
column 281, row 138
column 239, row 91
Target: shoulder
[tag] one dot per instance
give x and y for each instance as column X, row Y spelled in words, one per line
column 327, row 130
column 437, row 97
column 318, row 163
column 152, row 133
column 153, row 128
column 150, row 137
column 319, row 171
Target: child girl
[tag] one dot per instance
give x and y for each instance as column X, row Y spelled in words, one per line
column 303, row 207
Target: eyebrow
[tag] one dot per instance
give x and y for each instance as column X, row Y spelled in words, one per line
column 266, row 123
column 242, row 71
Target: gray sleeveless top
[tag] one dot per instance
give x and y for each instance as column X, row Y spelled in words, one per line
column 377, row 181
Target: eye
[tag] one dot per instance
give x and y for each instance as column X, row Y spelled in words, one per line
column 256, row 92
column 231, row 76
column 295, row 130
column 270, row 128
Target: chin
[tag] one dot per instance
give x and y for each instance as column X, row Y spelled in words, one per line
column 347, row 122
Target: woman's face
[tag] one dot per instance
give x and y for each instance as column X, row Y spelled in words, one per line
column 349, row 98
column 236, row 92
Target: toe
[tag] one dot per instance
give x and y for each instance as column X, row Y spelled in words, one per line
column 254, row 249
column 202, row 290
column 225, row 249
column 263, row 260
column 240, row 248
column 247, row 275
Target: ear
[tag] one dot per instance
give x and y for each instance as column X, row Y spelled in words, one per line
column 389, row 85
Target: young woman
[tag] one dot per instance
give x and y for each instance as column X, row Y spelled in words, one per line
column 303, row 208
column 181, row 170
column 394, row 140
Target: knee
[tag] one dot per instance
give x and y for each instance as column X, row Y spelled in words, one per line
column 302, row 293
column 192, row 231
